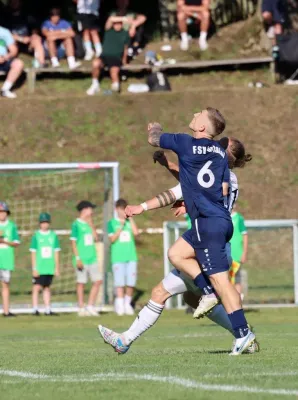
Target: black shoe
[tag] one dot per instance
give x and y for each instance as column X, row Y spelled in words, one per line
column 51, row 314
column 9, row 315
column 36, row 313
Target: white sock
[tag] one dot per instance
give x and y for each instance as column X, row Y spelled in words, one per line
column 71, row 61
column 146, row 318
column 184, row 37
column 88, row 46
column 7, row 85
column 220, row 317
column 203, row 36
column 89, row 307
column 54, row 61
column 95, row 82
column 98, row 48
column 127, row 299
column 48, row 310
column 119, row 304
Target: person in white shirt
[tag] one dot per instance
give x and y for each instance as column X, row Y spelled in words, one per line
column 88, row 23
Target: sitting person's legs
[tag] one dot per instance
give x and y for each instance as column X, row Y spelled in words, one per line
column 69, row 50
column 96, row 42
column 115, row 77
column 14, row 68
column 36, row 45
column 181, row 18
column 97, row 66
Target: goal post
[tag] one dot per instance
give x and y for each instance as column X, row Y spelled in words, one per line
column 272, row 267
column 57, row 188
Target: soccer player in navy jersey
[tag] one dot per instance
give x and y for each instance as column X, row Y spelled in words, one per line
column 203, row 168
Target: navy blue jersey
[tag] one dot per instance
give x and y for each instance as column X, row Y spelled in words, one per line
column 203, row 167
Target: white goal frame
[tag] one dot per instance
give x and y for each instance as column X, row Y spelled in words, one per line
column 175, row 227
column 113, row 166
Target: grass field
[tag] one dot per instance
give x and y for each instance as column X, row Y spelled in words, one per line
column 64, row 357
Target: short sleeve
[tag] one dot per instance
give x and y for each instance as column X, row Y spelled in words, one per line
column 9, row 40
column 65, row 24
column 111, row 228
column 57, row 243
column 177, row 191
column 226, row 176
column 242, row 226
column 45, row 25
column 74, row 232
column 15, row 234
column 33, row 245
column 174, row 141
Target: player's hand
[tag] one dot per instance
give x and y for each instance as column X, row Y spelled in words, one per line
column 154, row 125
column 243, row 259
column 35, row 273
column 159, row 156
column 80, row 265
column 130, row 211
column 179, row 211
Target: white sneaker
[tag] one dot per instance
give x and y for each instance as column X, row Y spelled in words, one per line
column 203, row 44
column 82, row 312
column 75, row 65
column 115, row 86
column 94, row 88
column 55, row 64
column 92, row 312
column 119, row 308
column 184, row 45
column 89, row 55
column 128, row 310
column 8, row 94
column 243, row 344
column 253, row 348
column 206, row 304
column 271, row 32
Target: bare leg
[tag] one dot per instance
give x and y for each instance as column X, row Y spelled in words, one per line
column 181, row 18
column 229, row 296
column 15, row 71
column 86, row 35
column 36, row 44
column 47, row 297
column 129, row 291
column 95, row 36
column 5, row 297
column 115, row 74
column 96, row 68
column 93, row 293
column 80, row 294
column 120, row 292
column 182, row 257
column 52, row 48
column 69, row 47
column 35, row 293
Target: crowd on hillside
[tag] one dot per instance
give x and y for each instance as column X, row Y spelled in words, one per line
column 56, row 38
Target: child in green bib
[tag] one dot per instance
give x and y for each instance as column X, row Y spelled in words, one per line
column 9, row 240
column 44, row 250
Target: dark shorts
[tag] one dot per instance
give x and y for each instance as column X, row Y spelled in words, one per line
column 277, row 8
column 209, row 238
column 5, row 67
column 43, row 280
column 110, row 61
column 87, row 21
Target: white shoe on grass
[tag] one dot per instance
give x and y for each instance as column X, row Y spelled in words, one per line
column 243, row 344
column 82, row 312
column 184, row 45
column 8, row 94
column 128, row 310
column 92, row 312
column 253, row 348
column 93, row 90
column 203, row 45
column 115, row 86
column 74, row 65
column 206, row 304
column 89, row 55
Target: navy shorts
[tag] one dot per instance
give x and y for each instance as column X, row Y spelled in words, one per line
column 277, row 8
column 209, row 237
column 5, row 67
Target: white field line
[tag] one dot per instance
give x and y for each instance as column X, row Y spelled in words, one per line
column 186, row 383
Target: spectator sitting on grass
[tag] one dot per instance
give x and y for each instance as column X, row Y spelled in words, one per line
column 114, row 54
column 27, row 42
column 88, row 22
column 134, row 25
column 59, row 40
column 9, row 63
column 273, row 13
column 199, row 11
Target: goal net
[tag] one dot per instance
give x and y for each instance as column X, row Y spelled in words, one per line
column 270, row 275
column 30, row 189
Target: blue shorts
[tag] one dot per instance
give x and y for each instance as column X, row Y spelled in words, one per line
column 125, row 274
column 209, row 238
column 60, row 50
column 277, row 8
column 5, row 67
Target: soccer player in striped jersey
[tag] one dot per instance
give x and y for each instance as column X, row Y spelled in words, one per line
column 175, row 282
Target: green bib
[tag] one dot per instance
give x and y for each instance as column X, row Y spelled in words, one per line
column 9, row 232
column 82, row 233
column 45, row 244
column 124, row 248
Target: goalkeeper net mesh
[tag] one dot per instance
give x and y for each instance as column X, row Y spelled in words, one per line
column 28, row 193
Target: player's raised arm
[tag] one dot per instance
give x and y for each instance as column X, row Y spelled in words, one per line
column 163, row 199
column 154, row 134
column 160, row 157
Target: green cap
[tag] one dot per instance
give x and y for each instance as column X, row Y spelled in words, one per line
column 44, row 217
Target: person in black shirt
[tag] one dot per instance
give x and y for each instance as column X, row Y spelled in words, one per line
column 28, row 40
column 199, row 11
column 114, row 54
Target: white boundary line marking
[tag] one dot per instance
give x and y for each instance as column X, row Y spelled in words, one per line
column 186, row 383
